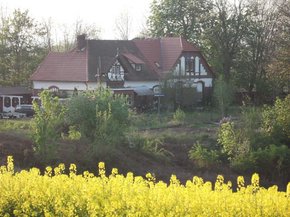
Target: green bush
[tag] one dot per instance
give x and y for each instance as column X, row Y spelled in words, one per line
column 47, row 126
column 100, row 117
column 202, row 157
column 276, row 120
column 272, row 161
column 149, row 145
column 233, row 141
column 249, row 143
column 179, row 116
column 81, row 114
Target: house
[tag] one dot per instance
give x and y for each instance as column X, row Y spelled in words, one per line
column 10, row 97
column 135, row 67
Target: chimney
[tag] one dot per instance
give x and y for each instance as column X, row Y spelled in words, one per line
column 81, row 42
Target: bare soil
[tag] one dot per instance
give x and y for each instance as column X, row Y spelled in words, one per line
column 124, row 158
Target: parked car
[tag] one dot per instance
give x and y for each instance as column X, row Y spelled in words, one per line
column 25, row 109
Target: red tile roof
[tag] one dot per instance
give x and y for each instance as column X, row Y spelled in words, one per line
column 133, row 58
column 69, row 66
column 164, row 52
column 158, row 56
column 150, row 48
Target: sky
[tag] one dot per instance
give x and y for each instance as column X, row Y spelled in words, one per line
column 102, row 13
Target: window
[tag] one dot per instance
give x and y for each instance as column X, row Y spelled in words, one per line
column 138, row 67
column 7, row 101
column 15, row 101
column 116, row 72
column 53, row 89
column 189, row 66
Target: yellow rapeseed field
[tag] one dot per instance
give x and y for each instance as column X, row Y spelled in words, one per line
column 28, row 193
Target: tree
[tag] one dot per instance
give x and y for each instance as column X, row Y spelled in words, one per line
column 184, row 18
column 278, row 70
column 47, row 126
column 259, row 44
column 123, row 26
column 223, row 94
column 21, row 50
column 65, row 35
column 224, row 34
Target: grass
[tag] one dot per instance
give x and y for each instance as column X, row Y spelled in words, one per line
column 16, row 127
column 18, row 124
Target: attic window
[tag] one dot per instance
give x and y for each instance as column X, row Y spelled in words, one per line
column 138, row 67
column 189, row 66
column 53, row 89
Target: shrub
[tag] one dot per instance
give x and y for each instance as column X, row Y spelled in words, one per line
column 179, row 116
column 81, row 114
column 101, row 117
column 149, row 145
column 47, row 125
column 234, row 142
column 272, row 161
column 202, row 157
column 276, row 120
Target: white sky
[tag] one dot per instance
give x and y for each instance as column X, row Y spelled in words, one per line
column 102, row 13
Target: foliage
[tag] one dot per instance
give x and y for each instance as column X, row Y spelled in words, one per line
column 14, row 125
column 278, row 69
column 73, row 134
column 20, row 48
column 100, row 117
column 57, row 194
column 148, row 144
column 260, row 41
column 184, row 18
column 224, row 35
column 276, row 120
column 223, row 94
column 272, row 161
column 179, row 116
column 203, row 158
column 81, row 114
column 260, row 141
column 47, row 125
column 233, row 142
column 245, row 41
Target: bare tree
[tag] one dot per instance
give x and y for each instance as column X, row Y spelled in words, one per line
column 62, row 37
column 47, row 26
column 123, row 26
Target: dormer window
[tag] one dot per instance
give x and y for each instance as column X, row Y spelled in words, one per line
column 138, row 67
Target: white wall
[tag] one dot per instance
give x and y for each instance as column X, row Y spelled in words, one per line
column 207, row 81
column 66, row 85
